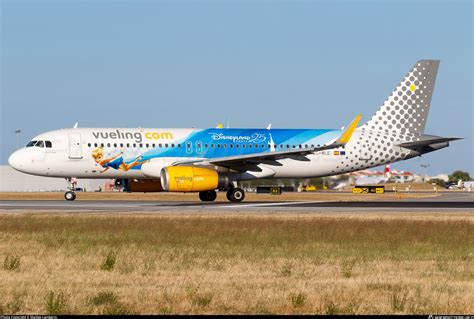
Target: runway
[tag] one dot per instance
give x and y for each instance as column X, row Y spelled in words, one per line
column 456, row 202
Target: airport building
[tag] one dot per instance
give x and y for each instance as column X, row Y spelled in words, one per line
column 14, row 181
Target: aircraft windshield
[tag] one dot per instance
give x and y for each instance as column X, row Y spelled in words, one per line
column 31, row 143
column 47, row 144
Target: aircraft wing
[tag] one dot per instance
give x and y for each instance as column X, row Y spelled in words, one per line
column 249, row 162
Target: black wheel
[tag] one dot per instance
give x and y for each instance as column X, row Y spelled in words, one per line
column 229, row 194
column 70, row 196
column 236, row 195
column 208, row 196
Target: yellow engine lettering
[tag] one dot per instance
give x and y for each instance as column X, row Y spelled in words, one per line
column 189, row 179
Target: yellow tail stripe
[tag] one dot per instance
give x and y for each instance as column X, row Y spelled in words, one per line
column 346, row 136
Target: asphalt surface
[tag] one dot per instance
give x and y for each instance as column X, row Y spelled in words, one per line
column 455, row 202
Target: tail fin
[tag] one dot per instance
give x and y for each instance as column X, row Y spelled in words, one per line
column 406, row 109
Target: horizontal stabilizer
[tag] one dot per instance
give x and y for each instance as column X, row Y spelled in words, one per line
column 417, row 144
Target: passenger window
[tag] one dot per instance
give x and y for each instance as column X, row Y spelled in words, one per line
column 134, row 145
column 147, row 145
column 141, row 145
column 179, row 145
column 250, row 145
column 49, row 144
column 166, row 145
column 218, row 145
column 160, row 145
column 89, row 145
column 95, row 144
column 101, row 144
column 237, row 145
column 153, row 145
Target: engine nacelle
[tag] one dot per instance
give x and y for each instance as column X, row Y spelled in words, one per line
column 192, row 179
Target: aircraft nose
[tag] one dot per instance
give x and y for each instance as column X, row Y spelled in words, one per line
column 16, row 160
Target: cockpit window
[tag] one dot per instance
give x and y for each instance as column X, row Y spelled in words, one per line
column 47, row 144
column 31, row 143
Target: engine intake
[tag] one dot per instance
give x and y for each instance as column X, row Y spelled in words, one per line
column 191, row 179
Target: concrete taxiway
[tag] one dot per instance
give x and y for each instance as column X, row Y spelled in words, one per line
column 456, row 202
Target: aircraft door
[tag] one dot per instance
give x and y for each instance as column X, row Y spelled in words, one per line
column 199, row 147
column 365, row 153
column 189, row 147
column 75, row 146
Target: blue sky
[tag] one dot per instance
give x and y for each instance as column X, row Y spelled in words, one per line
column 295, row 64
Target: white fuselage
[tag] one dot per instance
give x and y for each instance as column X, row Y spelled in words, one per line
column 70, row 153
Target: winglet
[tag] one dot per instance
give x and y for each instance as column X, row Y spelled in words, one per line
column 347, row 134
column 219, row 125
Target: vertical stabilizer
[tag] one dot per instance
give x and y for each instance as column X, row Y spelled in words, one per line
column 406, row 109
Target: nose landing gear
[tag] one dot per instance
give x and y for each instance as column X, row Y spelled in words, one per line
column 70, row 195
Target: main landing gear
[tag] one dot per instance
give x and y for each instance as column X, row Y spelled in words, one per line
column 234, row 195
column 208, row 196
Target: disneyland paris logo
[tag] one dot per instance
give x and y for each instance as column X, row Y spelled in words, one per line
column 254, row 138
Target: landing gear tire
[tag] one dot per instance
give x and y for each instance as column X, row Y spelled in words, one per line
column 208, row 196
column 70, row 196
column 235, row 195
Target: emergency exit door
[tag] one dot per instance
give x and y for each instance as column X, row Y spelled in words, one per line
column 75, row 146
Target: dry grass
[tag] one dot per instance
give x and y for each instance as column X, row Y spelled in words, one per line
column 165, row 196
column 236, row 264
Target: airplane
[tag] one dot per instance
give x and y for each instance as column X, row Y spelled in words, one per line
column 207, row 160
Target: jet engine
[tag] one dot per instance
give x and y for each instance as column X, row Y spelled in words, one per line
column 192, row 179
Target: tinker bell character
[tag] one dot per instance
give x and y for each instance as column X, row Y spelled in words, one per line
column 115, row 162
